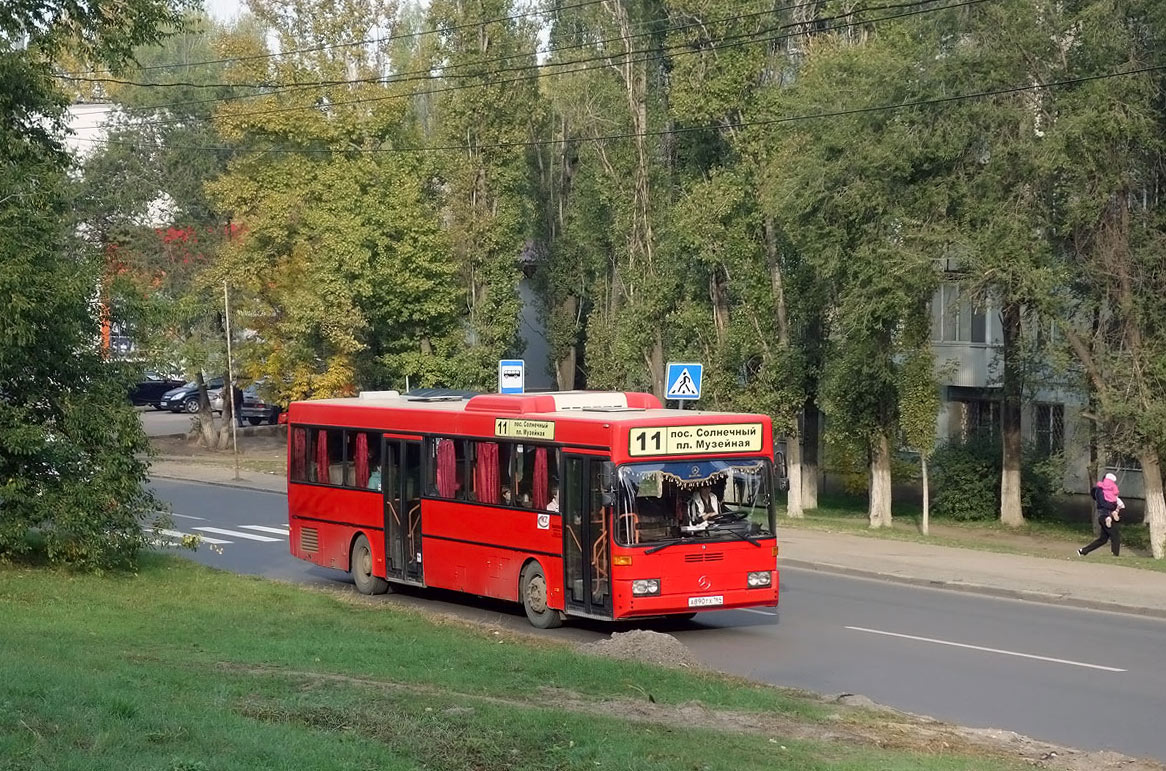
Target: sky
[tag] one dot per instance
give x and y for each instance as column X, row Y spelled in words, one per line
column 224, row 10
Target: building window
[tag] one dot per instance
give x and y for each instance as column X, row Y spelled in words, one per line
column 981, row 419
column 1050, row 429
column 954, row 319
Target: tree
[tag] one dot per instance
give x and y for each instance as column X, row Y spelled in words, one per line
column 72, row 481
column 1106, row 156
column 343, row 274
column 919, row 402
column 487, row 186
column 144, row 203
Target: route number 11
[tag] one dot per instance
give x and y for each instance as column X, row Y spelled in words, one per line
column 646, row 441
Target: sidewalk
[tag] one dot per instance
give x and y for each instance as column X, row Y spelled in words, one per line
column 1090, row 582
column 217, row 475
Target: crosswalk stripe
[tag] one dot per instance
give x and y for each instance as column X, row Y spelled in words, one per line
column 237, row 534
column 187, row 516
column 206, row 539
column 277, row 530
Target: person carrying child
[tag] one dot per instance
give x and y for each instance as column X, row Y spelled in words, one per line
column 1109, row 507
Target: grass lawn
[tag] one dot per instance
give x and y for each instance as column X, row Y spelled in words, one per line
column 1035, row 538
column 182, row 668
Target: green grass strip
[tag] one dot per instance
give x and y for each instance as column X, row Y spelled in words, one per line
column 184, row 668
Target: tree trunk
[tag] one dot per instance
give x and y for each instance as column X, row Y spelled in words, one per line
column 206, row 418
column 880, row 481
column 565, row 364
column 926, row 494
column 1155, row 503
column 811, row 437
column 1012, row 441
column 657, row 365
column 793, row 465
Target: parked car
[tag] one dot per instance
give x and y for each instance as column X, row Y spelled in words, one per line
column 185, row 397
column 255, row 409
column 151, row 389
column 258, row 410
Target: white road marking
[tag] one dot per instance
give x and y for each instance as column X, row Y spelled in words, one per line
column 236, row 534
column 758, row 612
column 985, row 650
column 206, row 539
column 187, row 516
column 277, row 530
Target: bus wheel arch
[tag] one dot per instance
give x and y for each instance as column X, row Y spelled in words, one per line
column 534, row 596
column 360, row 567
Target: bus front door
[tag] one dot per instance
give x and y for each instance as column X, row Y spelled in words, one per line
column 402, row 486
column 587, row 563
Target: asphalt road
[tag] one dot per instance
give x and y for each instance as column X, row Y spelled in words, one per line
column 1088, row 679
column 163, row 422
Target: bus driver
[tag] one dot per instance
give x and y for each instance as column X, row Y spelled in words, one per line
column 701, row 506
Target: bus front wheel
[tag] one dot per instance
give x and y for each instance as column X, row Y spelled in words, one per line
column 366, row 582
column 534, row 599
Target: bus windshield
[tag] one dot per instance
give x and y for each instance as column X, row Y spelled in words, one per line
column 680, row 500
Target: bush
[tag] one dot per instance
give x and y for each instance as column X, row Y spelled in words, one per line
column 966, row 481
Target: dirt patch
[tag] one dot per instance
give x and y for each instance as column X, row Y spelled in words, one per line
column 877, row 727
column 644, row 646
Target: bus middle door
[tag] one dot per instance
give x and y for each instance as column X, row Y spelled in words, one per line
column 586, row 537
column 402, row 485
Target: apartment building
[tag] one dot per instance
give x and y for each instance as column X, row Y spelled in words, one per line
column 968, row 344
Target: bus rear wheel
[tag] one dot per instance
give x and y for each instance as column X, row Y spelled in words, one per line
column 366, row 582
column 534, row 599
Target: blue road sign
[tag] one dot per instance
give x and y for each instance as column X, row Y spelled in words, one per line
column 683, row 381
column 511, row 376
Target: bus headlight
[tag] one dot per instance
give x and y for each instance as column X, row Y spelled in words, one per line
column 643, row 587
column 759, row 578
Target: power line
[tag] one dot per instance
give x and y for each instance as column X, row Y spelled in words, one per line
column 523, row 54
column 651, row 54
column 353, row 44
column 427, row 75
column 683, row 130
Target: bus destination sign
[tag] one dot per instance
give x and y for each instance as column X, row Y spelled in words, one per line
column 695, row 440
column 525, row 429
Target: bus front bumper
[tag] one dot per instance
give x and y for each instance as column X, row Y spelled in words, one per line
column 629, row 606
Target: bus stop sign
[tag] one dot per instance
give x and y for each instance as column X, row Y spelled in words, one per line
column 511, row 376
column 683, row 381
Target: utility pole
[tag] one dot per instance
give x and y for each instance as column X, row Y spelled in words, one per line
column 229, row 386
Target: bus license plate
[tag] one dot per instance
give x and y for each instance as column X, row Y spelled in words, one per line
column 700, row 602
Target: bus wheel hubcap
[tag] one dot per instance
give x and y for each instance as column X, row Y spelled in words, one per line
column 365, row 563
column 536, row 595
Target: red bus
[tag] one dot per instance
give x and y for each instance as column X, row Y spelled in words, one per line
column 592, row 504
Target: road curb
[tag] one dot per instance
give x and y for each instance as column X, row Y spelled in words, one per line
column 970, row 588
column 218, row 483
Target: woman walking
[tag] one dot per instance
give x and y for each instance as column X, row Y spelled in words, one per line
column 1109, row 507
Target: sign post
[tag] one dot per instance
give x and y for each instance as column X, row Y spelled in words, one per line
column 511, row 376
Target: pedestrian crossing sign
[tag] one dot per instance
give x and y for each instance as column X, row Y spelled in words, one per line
column 683, row 381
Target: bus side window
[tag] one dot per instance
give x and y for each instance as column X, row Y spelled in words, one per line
column 335, row 437
column 448, row 469
column 299, row 454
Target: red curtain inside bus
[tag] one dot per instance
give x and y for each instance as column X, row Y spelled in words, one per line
column 539, row 495
column 486, row 485
column 362, row 460
column 322, row 456
column 300, row 453
column 446, row 469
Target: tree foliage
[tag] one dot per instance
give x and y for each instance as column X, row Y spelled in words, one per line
column 71, row 481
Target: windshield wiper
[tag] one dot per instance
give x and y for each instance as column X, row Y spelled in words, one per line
column 663, row 546
column 742, row 536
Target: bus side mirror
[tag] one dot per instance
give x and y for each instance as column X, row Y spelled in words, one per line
column 607, row 482
column 781, row 471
